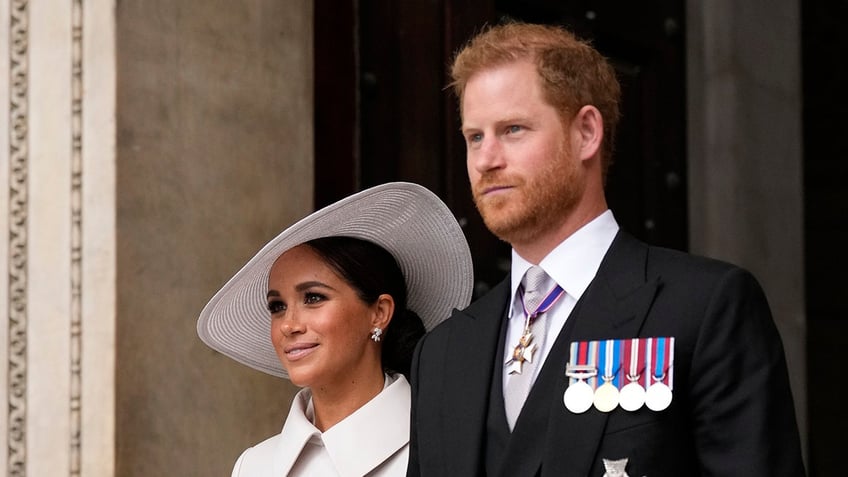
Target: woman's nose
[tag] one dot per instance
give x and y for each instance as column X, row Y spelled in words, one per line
column 291, row 324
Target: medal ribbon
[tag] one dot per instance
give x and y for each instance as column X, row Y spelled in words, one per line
column 662, row 357
column 546, row 304
column 593, row 361
column 634, row 355
column 609, row 357
column 524, row 344
column 584, row 354
column 646, row 360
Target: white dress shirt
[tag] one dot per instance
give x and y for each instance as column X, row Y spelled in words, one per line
column 572, row 265
column 372, row 441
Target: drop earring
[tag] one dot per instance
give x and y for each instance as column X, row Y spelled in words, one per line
column 376, row 334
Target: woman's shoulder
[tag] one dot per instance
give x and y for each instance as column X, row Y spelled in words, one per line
column 282, row 449
column 256, row 460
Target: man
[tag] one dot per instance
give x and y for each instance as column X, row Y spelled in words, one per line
column 640, row 361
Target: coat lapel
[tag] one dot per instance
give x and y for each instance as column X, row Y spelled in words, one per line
column 472, row 348
column 614, row 307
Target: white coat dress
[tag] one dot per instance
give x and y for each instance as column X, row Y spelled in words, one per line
column 373, row 441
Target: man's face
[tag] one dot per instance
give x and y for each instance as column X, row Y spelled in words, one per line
column 524, row 177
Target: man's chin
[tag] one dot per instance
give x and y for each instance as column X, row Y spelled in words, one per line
column 501, row 227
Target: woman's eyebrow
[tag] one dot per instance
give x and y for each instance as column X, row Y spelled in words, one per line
column 311, row 284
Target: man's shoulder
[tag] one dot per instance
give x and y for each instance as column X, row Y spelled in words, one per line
column 676, row 262
column 631, row 259
column 497, row 296
column 493, row 300
column 672, row 261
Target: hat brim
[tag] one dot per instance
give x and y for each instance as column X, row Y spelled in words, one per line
column 406, row 219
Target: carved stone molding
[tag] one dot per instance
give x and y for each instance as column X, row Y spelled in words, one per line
column 76, row 240
column 59, row 248
column 18, row 198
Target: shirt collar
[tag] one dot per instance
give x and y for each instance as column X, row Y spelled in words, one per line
column 575, row 261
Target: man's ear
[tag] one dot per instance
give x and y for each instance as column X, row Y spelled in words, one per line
column 384, row 309
column 588, row 130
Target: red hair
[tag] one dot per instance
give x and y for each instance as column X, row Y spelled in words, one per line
column 573, row 74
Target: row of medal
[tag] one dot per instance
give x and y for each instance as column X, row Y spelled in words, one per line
column 630, row 373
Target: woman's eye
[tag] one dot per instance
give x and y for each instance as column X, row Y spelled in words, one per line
column 276, row 306
column 313, row 298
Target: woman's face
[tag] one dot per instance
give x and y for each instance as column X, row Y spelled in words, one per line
column 320, row 327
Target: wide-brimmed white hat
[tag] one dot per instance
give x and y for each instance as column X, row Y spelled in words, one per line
column 406, row 219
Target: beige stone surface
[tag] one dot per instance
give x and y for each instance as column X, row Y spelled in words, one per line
column 98, row 244
column 148, row 150
column 214, row 102
column 48, row 243
column 745, row 155
column 58, row 206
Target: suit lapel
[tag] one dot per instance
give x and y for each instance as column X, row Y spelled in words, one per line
column 614, row 307
column 470, row 352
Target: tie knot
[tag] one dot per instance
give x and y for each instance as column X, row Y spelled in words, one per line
column 535, row 286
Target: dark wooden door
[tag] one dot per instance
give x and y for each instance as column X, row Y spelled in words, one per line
column 824, row 42
column 382, row 112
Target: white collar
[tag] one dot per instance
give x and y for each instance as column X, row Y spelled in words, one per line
column 379, row 429
column 575, row 261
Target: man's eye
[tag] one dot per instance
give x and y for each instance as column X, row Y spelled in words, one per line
column 514, row 129
column 276, row 306
column 475, row 137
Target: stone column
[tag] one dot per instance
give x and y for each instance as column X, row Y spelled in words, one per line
column 148, row 149
column 745, row 154
column 58, row 240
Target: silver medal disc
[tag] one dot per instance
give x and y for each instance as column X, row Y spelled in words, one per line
column 578, row 397
column 631, row 397
column 658, row 396
column 606, row 397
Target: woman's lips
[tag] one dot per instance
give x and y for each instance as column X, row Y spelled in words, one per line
column 299, row 351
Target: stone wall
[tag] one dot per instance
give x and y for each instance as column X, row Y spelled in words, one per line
column 149, row 148
column 746, row 157
column 214, row 146
column 57, row 161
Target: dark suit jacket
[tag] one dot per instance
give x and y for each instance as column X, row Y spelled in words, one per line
column 732, row 412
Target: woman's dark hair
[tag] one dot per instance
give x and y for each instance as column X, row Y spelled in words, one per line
column 373, row 271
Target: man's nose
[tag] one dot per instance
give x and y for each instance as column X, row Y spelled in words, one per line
column 488, row 156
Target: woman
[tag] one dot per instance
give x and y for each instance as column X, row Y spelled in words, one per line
column 336, row 304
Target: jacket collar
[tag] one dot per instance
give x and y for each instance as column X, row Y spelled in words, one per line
column 614, row 306
column 386, row 416
column 473, row 349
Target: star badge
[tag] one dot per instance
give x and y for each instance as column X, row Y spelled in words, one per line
column 615, row 468
column 513, row 366
column 520, row 355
